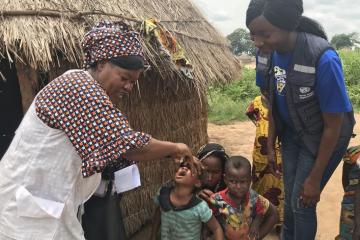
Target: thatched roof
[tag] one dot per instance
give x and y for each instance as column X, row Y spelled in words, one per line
column 39, row 31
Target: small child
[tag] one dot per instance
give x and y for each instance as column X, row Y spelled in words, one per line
column 181, row 213
column 213, row 157
column 242, row 213
column 350, row 205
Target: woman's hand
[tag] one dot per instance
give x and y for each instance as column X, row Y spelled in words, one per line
column 183, row 153
column 310, row 194
column 272, row 166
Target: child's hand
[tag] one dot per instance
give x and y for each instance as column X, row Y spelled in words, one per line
column 205, row 194
column 254, row 228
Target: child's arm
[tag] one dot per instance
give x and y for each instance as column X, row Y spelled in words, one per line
column 215, row 228
column 356, row 233
column 155, row 223
column 270, row 219
column 255, row 227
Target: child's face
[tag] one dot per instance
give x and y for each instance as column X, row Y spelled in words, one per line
column 213, row 171
column 238, row 181
column 185, row 176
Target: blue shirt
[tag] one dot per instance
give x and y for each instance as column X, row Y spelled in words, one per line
column 329, row 86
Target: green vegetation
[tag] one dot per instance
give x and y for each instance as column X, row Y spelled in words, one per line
column 228, row 103
column 351, row 66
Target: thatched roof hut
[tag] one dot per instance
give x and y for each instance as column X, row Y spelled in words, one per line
column 40, row 39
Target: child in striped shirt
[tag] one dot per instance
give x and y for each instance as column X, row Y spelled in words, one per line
column 180, row 213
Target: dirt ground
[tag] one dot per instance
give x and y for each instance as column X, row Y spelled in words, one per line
column 238, row 139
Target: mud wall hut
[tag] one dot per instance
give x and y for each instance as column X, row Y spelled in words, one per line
column 39, row 40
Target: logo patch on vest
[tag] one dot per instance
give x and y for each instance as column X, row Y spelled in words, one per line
column 280, row 76
column 305, row 92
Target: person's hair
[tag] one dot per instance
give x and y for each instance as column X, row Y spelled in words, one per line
column 284, row 14
column 238, row 162
column 126, row 62
column 309, row 25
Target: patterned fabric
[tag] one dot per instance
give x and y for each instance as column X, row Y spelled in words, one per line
column 185, row 222
column 168, row 46
column 108, row 40
column 100, row 133
column 264, row 182
column 351, row 171
column 234, row 219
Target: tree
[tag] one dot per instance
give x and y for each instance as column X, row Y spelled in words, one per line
column 345, row 40
column 240, row 42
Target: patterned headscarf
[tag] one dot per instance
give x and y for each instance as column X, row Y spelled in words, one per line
column 109, row 40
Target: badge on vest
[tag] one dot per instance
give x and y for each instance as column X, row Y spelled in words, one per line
column 305, row 92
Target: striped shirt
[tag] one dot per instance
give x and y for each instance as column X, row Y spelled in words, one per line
column 184, row 223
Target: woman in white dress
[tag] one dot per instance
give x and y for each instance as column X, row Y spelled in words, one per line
column 71, row 132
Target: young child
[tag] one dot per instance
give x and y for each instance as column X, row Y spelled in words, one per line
column 350, row 205
column 242, row 213
column 213, row 157
column 181, row 213
column 267, row 180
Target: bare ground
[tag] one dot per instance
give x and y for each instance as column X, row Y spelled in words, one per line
column 238, row 139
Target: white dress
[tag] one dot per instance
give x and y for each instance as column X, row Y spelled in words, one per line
column 41, row 185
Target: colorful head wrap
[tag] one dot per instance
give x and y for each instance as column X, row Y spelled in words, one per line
column 108, row 40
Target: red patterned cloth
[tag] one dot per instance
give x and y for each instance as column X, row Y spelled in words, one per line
column 100, row 133
column 235, row 219
column 109, row 40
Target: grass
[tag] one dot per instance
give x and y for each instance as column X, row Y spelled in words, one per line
column 228, row 103
column 351, row 67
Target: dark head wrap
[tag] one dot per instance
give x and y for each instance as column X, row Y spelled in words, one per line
column 212, row 149
column 284, row 14
column 218, row 151
column 113, row 41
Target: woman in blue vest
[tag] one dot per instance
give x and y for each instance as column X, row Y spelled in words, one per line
column 310, row 110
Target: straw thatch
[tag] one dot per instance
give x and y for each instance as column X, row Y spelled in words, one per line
column 42, row 38
column 39, row 40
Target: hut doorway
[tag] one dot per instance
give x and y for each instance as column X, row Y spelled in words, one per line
column 11, row 111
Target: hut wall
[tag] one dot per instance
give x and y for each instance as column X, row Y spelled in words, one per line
column 28, row 81
column 171, row 110
column 31, row 81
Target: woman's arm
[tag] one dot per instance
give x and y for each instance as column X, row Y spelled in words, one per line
column 156, row 149
column 215, row 228
column 271, row 153
column 329, row 139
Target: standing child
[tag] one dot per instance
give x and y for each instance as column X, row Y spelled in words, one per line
column 242, row 213
column 181, row 213
column 213, row 157
column 350, row 206
column 267, row 179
